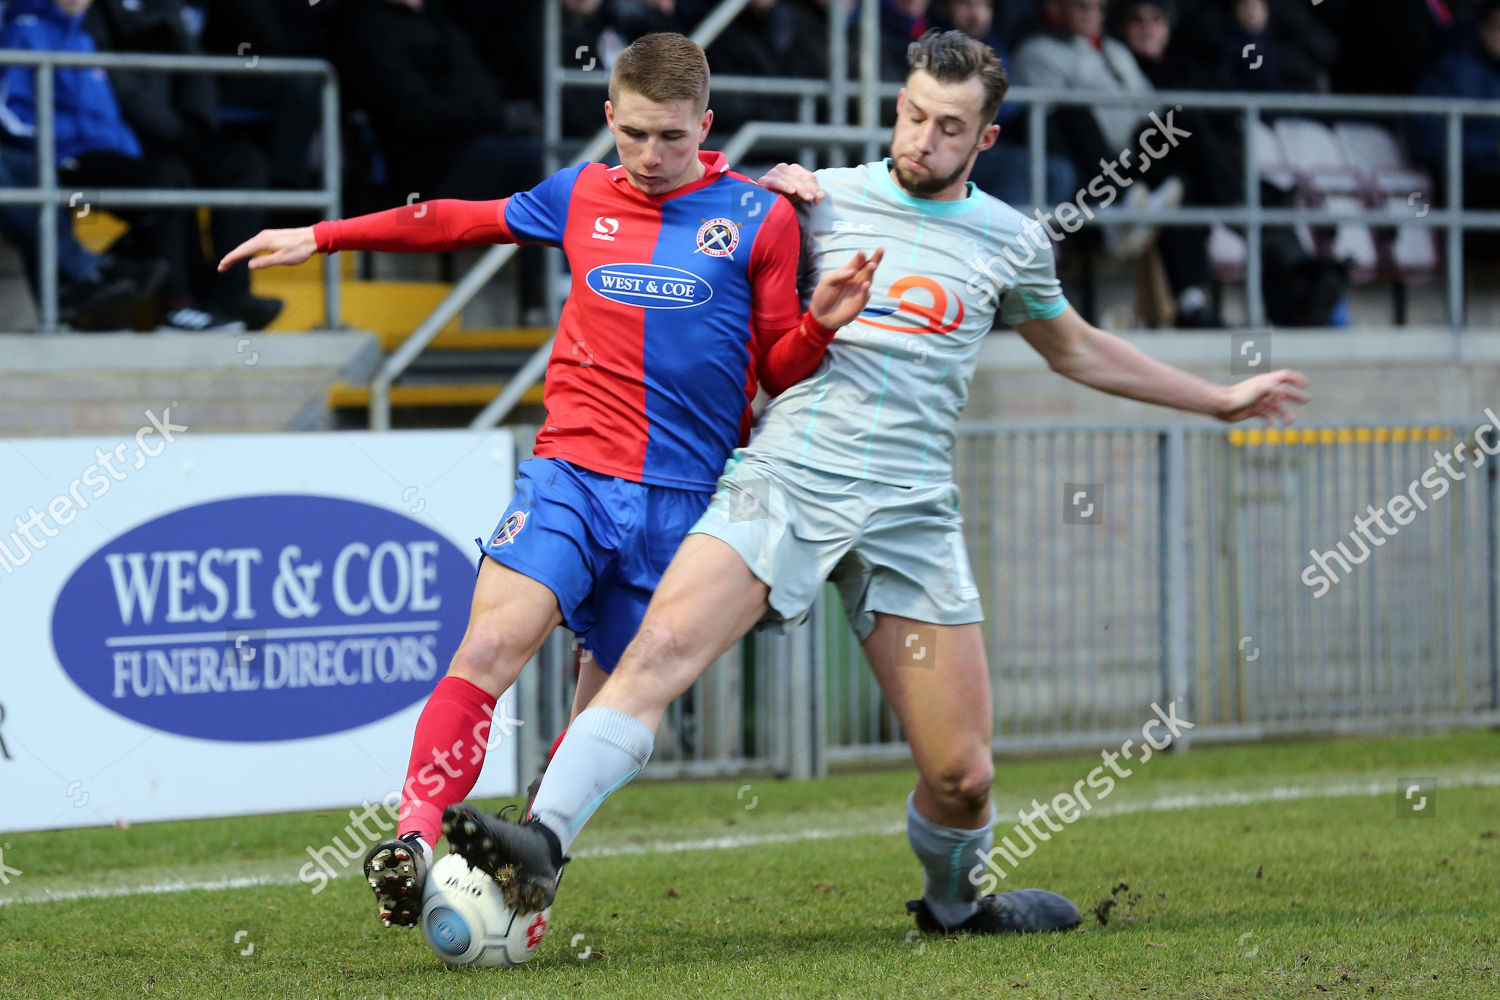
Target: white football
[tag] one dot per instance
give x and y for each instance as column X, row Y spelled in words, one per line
column 466, row 921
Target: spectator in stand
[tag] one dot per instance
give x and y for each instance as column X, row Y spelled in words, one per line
column 901, row 23
column 443, row 128
column 175, row 117
column 1386, row 45
column 1004, row 170
column 1473, row 71
column 96, row 148
column 771, row 38
column 1250, row 59
column 439, row 119
column 94, row 292
column 1070, row 51
column 516, row 66
column 1295, row 49
column 594, row 33
column 1015, row 19
column 284, row 113
column 1210, row 166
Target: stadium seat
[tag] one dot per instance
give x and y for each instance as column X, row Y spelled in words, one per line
column 1395, row 185
column 1276, row 170
column 1327, row 178
column 1227, row 252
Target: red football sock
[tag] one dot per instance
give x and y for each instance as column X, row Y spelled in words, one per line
column 447, row 754
column 555, row 744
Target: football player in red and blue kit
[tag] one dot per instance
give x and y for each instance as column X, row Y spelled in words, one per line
column 683, row 301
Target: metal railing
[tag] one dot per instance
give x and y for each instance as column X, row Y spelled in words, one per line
column 1253, row 216
column 47, row 194
column 836, row 135
column 1182, row 574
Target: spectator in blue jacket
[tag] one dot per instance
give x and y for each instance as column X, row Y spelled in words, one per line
column 95, row 147
column 94, row 292
column 1469, row 71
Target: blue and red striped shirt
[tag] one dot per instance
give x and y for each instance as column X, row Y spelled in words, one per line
column 681, row 304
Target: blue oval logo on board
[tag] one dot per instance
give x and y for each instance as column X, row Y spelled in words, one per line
column 264, row 618
column 652, row 286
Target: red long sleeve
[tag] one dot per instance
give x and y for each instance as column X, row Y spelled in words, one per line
column 444, row 224
column 788, row 344
column 795, row 354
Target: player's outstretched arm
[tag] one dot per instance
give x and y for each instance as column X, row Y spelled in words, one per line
column 794, row 181
column 443, row 224
column 1088, row 355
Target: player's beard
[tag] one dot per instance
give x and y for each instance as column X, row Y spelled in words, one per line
column 922, row 186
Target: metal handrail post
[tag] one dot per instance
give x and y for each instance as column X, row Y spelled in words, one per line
column 1455, row 232
column 1036, row 127
column 333, row 180
column 838, row 73
column 452, row 304
column 869, row 73
column 1255, row 304
column 534, row 368
column 46, row 165
column 1175, row 680
column 807, row 113
column 552, row 137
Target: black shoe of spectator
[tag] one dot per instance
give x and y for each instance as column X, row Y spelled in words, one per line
column 256, row 312
column 190, row 319
column 147, row 274
column 103, row 304
column 1199, row 319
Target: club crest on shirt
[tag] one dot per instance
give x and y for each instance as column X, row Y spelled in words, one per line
column 718, row 237
column 509, row 529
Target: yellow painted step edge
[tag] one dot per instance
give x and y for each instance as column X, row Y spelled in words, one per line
column 520, row 338
column 343, row 396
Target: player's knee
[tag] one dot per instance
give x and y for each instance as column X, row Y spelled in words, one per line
column 964, row 780
column 490, row 650
column 655, row 647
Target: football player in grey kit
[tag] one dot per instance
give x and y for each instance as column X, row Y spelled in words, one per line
column 849, row 478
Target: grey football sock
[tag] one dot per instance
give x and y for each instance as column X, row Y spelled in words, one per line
column 947, row 854
column 603, row 749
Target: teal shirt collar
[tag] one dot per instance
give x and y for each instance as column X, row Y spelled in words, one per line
column 927, row 205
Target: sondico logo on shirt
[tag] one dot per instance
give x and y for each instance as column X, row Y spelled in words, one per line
column 605, row 228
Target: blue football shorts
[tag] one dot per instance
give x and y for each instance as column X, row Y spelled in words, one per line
column 599, row 543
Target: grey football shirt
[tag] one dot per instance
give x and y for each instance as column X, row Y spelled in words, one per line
column 884, row 402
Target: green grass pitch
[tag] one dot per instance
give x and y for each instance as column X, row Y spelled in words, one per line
column 1275, row 870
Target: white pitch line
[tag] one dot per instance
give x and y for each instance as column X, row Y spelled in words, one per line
column 1168, row 803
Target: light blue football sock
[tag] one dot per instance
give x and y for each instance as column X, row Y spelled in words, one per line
column 602, row 750
column 947, row 855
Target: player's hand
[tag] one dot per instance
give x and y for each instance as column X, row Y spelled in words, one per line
column 273, row 247
column 1265, row 396
column 793, row 180
column 844, row 293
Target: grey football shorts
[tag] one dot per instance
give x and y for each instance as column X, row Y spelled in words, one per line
column 889, row 549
